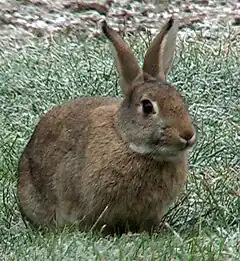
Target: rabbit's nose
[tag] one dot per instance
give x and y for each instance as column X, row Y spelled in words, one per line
column 188, row 138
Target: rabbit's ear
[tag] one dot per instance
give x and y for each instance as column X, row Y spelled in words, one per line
column 159, row 57
column 127, row 64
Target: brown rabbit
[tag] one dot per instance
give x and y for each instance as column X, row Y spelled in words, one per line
column 112, row 163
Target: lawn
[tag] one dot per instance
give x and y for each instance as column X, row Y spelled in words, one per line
column 204, row 224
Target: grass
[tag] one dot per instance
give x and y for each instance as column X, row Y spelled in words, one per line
column 203, row 225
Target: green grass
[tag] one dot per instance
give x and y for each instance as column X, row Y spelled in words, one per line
column 203, row 225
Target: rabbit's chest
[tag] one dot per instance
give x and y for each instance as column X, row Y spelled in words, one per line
column 151, row 187
column 141, row 191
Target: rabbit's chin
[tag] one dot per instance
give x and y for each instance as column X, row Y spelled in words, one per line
column 157, row 152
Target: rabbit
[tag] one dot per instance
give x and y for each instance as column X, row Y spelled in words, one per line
column 112, row 164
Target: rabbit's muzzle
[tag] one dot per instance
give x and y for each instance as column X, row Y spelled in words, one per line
column 167, row 143
column 175, row 141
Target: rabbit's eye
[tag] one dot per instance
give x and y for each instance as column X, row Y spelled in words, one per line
column 147, row 107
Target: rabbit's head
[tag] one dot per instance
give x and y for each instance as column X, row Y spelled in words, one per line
column 153, row 117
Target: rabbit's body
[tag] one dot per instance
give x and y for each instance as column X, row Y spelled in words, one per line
column 108, row 162
column 64, row 190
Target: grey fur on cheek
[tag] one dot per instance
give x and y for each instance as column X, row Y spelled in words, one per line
column 141, row 149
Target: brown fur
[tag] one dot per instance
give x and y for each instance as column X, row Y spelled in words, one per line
column 78, row 165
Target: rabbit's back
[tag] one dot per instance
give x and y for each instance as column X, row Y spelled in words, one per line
column 56, row 146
